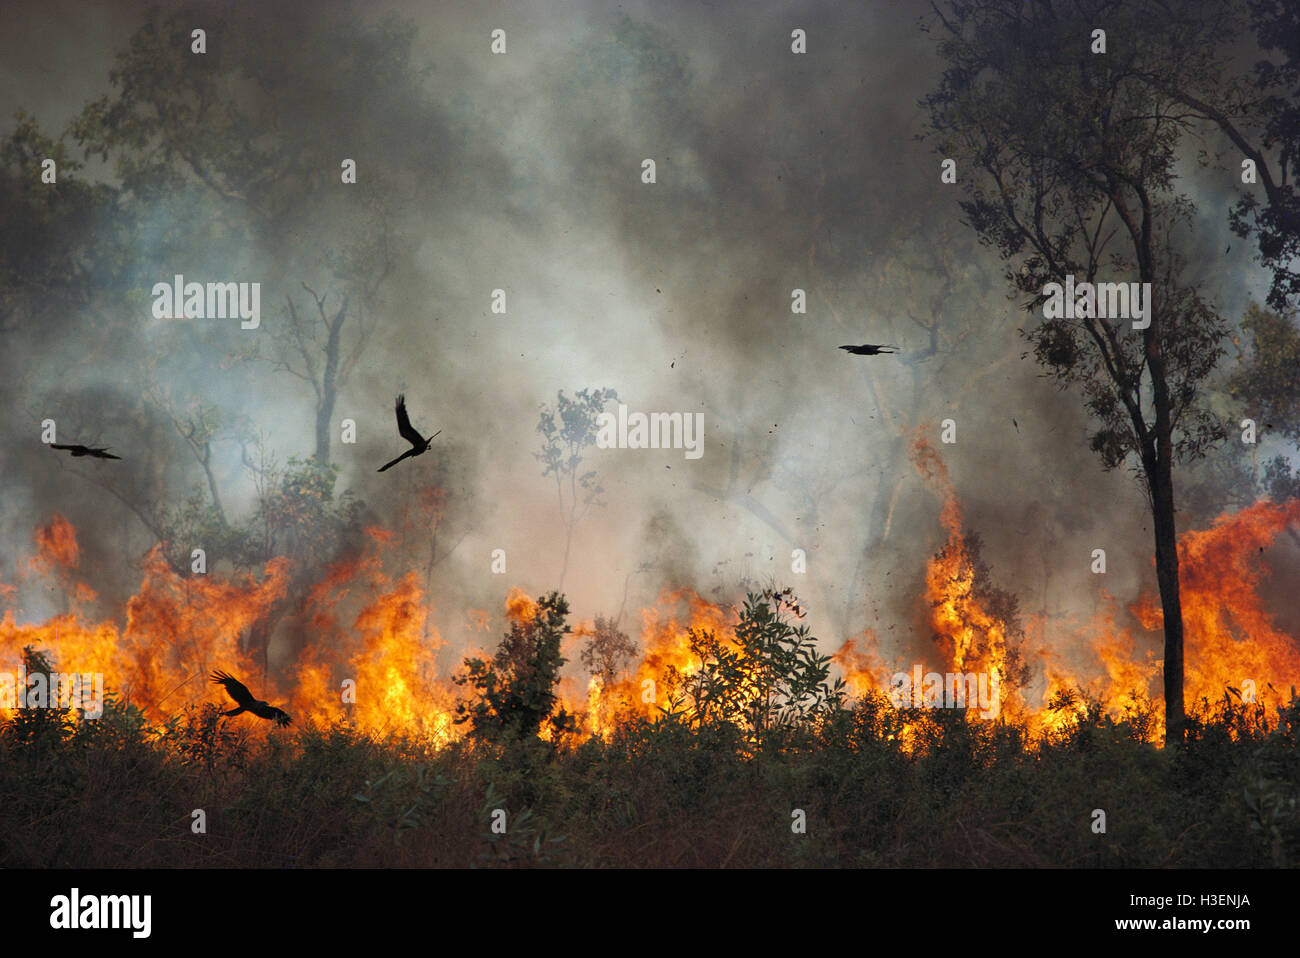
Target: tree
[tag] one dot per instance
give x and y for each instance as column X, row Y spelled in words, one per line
column 607, row 651
column 987, row 615
column 931, row 270
column 938, row 293
column 198, row 425
column 314, row 350
column 567, row 429
column 43, row 721
column 52, row 260
column 1068, row 162
column 1277, row 225
column 767, row 676
column 65, row 274
column 229, row 148
column 1259, row 115
column 302, row 517
column 515, row 689
column 1268, row 387
column 229, row 162
column 1268, row 384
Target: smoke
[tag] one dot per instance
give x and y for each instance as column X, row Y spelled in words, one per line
column 523, row 172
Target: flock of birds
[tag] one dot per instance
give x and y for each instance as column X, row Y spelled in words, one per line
column 236, row 689
column 419, row 443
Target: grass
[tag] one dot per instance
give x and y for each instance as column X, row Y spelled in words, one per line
column 119, row 792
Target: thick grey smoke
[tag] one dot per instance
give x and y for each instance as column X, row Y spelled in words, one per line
column 522, row 172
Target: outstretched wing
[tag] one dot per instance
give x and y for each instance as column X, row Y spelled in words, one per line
column 236, row 689
column 389, row 465
column 869, row 349
column 279, row 716
column 405, row 428
column 103, row 454
column 55, row 445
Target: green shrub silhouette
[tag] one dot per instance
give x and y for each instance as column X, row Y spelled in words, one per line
column 515, row 689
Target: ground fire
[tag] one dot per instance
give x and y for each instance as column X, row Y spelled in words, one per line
column 372, row 658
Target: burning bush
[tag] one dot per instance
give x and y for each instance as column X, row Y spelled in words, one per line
column 764, row 678
column 517, row 687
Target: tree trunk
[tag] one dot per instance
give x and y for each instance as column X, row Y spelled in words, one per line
column 1158, row 461
column 324, row 413
column 1159, row 456
column 1160, row 478
column 330, row 377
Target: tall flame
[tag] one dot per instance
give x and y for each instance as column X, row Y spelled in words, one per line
column 365, row 651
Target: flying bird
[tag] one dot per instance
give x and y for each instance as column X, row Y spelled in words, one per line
column 78, row 451
column 418, row 443
column 238, row 691
column 869, row 350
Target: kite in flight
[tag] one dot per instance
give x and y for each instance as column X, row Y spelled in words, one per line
column 869, row 350
column 238, row 691
column 78, row 451
column 418, row 443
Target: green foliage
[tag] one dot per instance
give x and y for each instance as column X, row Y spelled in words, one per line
column 667, row 793
column 1063, row 151
column 767, row 681
column 50, row 260
column 526, row 840
column 121, row 726
column 1275, row 106
column 607, row 651
column 400, row 799
column 1268, row 383
column 1275, row 817
column 40, row 724
column 197, row 519
column 516, row 688
column 298, row 516
column 301, row 517
column 199, row 737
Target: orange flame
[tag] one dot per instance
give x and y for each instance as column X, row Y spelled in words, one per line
column 56, row 543
column 366, row 653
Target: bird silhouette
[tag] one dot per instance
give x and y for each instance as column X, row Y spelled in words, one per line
column 238, row 691
column 78, row 451
column 870, row 350
column 418, row 443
